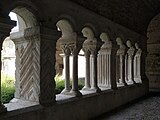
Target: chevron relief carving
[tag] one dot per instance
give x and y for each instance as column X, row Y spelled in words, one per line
column 47, row 71
column 28, row 70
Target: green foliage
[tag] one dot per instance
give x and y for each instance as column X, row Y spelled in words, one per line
column 7, row 88
column 60, row 84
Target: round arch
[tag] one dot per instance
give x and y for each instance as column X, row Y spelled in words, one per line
column 153, row 57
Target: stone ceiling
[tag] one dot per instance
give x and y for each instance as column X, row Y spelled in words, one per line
column 134, row 14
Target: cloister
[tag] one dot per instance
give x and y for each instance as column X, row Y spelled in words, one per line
column 121, row 57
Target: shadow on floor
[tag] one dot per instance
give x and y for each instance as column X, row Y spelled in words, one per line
column 140, row 108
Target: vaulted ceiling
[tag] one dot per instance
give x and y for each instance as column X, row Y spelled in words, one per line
column 134, row 14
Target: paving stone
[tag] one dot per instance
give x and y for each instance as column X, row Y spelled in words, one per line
column 148, row 109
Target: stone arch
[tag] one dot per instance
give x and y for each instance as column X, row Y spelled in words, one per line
column 153, row 57
column 68, row 34
column 25, row 18
column 69, row 20
column 91, row 27
column 119, row 34
column 29, row 6
column 88, row 32
column 104, row 37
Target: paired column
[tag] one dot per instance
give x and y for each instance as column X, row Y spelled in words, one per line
column 130, row 54
column 71, row 45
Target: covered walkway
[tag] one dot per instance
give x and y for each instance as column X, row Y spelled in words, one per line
column 147, row 108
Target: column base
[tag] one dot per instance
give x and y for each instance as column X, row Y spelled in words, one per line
column 65, row 92
column 130, row 82
column 75, row 93
column 96, row 89
column 138, row 80
column 86, row 88
column 121, row 84
column 3, row 109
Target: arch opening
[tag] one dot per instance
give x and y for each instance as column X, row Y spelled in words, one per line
column 24, row 54
column 153, row 57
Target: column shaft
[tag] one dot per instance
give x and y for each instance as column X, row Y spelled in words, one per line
column 75, row 90
column 94, row 73
column 67, row 74
column 87, row 74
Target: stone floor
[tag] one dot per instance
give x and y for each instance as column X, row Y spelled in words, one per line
column 145, row 109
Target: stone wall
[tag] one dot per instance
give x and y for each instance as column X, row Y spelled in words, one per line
column 82, row 108
column 153, row 57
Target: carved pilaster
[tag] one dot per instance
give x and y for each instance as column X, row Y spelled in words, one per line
column 48, row 39
column 27, row 44
column 104, row 62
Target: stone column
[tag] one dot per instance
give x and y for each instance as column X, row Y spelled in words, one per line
column 75, row 48
column 5, row 27
column 130, row 53
column 126, row 67
column 66, row 51
column 121, row 53
column 94, row 85
column 92, row 45
column 87, row 75
column 87, row 58
column 48, row 39
column 137, row 64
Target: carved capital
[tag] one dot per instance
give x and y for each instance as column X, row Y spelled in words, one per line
column 66, row 49
column 131, row 51
column 139, row 50
column 32, row 32
column 122, row 47
column 121, row 50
